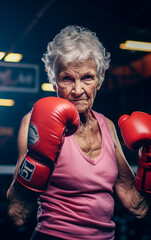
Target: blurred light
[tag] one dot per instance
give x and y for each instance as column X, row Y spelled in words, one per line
column 136, row 46
column 7, row 102
column 2, row 54
column 47, row 87
column 7, row 169
column 6, row 131
column 13, row 57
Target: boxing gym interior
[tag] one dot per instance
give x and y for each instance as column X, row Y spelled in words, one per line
column 26, row 28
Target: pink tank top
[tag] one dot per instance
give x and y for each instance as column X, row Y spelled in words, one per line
column 78, row 203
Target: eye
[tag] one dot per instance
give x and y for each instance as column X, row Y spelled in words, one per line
column 67, row 78
column 87, row 77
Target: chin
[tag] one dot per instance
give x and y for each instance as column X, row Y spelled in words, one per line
column 82, row 110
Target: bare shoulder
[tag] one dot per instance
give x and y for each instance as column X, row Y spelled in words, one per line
column 22, row 140
column 25, row 120
column 110, row 123
column 118, row 149
column 24, row 127
column 112, row 131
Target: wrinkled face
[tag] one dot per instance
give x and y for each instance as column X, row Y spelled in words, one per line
column 78, row 83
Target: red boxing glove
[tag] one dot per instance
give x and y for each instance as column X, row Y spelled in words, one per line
column 136, row 133
column 52, row 118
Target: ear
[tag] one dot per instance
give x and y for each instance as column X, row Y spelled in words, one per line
column 99, row 85
column 55, row 87
column 101, row 80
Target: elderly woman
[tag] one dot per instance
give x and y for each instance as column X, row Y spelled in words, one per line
column 78, row 200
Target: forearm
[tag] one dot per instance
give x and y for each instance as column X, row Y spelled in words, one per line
column 22, row 203
column 136, row 133
column 135, row 201
column 140, row 203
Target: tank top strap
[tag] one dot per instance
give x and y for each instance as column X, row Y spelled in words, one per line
column 104, row 126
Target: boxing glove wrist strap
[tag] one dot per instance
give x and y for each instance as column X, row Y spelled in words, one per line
column 144, row 159
column 143, row 174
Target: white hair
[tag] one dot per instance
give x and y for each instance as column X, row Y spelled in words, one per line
column 75, row 43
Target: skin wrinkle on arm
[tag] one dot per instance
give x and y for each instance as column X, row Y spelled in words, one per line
column 131, row 198
column 22, row 201
column 22, row 204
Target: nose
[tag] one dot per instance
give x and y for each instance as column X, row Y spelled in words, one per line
column 77, row 88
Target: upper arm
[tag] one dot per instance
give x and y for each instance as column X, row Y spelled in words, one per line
column 125, row 179
column 22, row 201
column 22, row 141
column 124, row 169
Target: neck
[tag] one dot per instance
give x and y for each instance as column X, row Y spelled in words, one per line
column 85, row 120
column 85, row 117
column 87, row 123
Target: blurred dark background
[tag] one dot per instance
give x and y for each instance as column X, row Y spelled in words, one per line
column 26, row 27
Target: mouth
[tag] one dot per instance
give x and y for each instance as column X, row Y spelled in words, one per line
column 78, row 100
